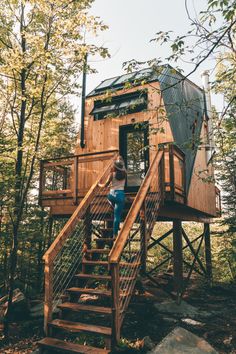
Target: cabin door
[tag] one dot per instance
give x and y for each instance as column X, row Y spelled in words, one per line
column 134, row 150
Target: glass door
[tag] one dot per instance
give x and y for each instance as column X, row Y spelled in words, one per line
column 134, row 150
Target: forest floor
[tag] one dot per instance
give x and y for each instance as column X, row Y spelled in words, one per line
column 215, row 321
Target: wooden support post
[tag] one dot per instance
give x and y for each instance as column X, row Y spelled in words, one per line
column 115, row 304
column 208, row 252
column 178, row 258
column 162, row 179
column 172, row 172
column 48, row 302
column 184, row 180
column 144, row 241
column 75, row 189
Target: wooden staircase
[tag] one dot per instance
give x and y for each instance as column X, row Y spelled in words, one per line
column 89, row 276
column 93, row 282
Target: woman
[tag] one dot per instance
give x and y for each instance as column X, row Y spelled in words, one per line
column 116, row 197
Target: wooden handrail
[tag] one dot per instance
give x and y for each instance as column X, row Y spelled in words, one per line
column 71, row 223
column 119, row 244
column 81, row 155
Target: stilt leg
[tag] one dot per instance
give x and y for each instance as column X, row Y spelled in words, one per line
column 208, row 252
column 178, row 258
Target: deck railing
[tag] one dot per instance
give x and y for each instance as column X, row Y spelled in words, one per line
column 175, row 173
column 129, row 251
column 71, row 176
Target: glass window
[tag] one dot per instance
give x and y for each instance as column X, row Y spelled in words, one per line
column 106, row 84
column 123, row 79
column 120, row 105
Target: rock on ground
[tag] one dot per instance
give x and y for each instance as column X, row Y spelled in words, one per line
column 20, row 308
column 148, row 343
column 183, row 309
column 181, row 341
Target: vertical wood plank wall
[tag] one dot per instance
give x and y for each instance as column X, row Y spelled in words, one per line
column 202, row 195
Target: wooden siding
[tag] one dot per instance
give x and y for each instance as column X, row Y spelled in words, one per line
column 104, row 134
column 202, row 195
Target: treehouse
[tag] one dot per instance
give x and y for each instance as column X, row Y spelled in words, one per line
column 160, row 123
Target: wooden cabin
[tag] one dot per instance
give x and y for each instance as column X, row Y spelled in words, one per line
column 158, row 121
column 135, row 114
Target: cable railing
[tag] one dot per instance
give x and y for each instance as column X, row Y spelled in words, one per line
column 129, row 252
column 64, row 257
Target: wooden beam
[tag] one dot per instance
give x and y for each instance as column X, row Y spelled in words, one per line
column 75, row 189
column 155, row 242
column 172, row 172
column 184, row 262
column 207, row 239
column 160, row 264
column 171, row 256
column 48, row 272
column 172, row 211
column 192, row 266
column 48, row 165
column 56, row 192
column 178, row 257
column 115, row 304
column 193, row 251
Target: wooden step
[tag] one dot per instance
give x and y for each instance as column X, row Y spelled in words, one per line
column 98, row 250
column 105, row 239
column 78, row 327
column 93, row 276
column 99, row 292
column 99, row 277
column 81, row 307
column 106, row 251
column 67, row 347
column 106, row 263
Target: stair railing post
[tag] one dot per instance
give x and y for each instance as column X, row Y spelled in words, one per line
column 172, row 172
column 162, row 179
column 115, row 276
column 75, row 187
column 48, row 300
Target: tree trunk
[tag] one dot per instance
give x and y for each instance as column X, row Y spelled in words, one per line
column 18, row 207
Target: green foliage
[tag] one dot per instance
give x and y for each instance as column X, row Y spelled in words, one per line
column 212, row 35
column 42, row 53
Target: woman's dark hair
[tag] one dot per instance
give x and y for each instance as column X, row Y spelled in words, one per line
column 119, row 175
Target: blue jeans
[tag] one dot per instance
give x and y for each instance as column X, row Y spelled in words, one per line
column 118, row 199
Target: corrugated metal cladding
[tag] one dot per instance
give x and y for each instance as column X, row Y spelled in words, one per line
column 184, row 103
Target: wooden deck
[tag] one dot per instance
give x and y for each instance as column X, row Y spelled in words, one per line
column 63, row 191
